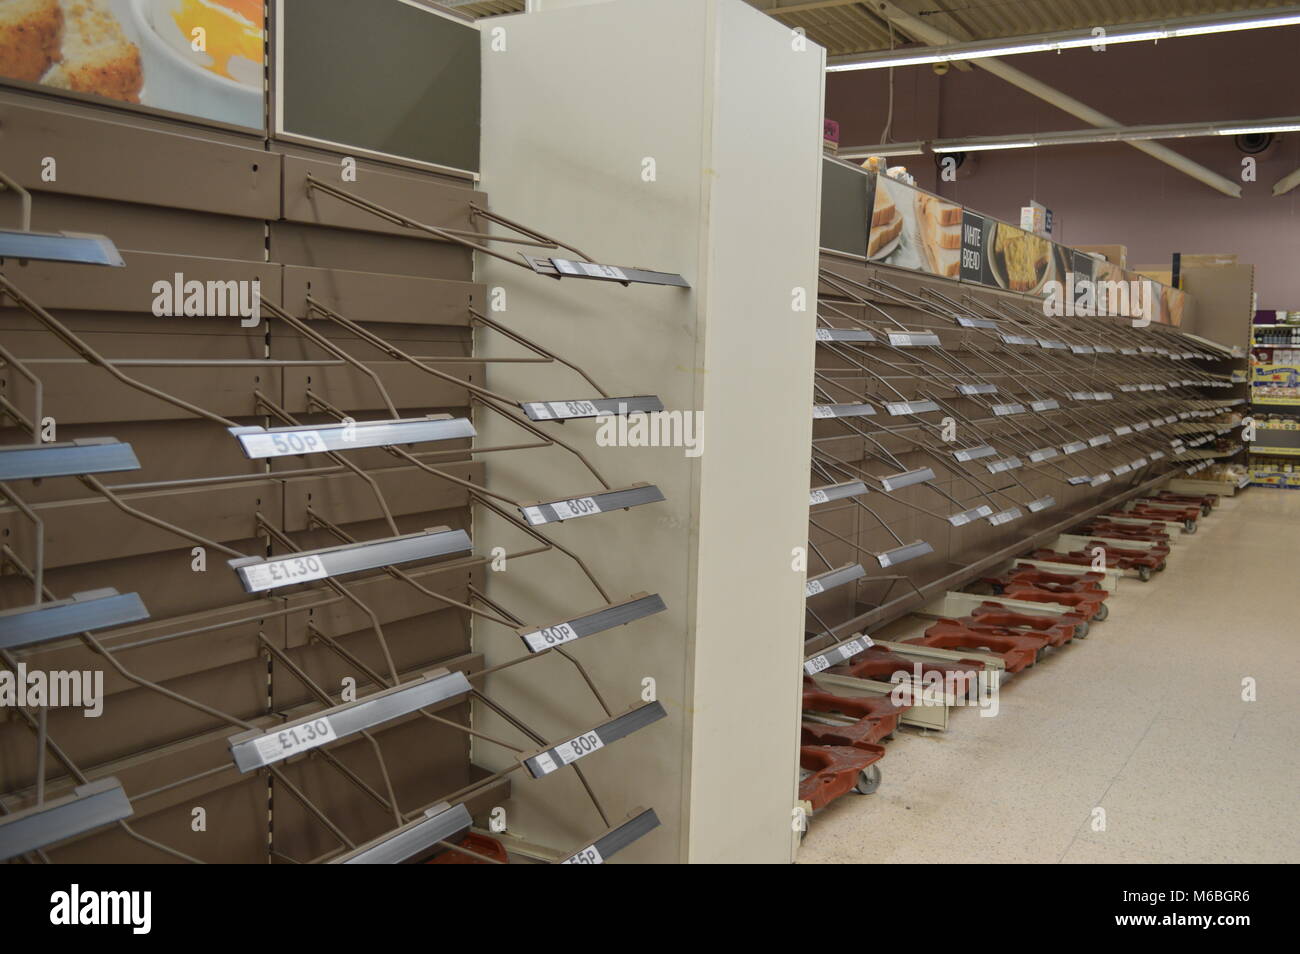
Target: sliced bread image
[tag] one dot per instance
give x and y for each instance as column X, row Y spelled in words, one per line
column 940, row 225
column 949, row 236
column 882, row 235
column 946, row 261
column 97, row 56
column 883, row 210
column 30, row 34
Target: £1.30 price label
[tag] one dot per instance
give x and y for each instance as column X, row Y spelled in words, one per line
column 264, row 576
column 294, row 739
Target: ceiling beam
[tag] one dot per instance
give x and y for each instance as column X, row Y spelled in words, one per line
column 1049, row 94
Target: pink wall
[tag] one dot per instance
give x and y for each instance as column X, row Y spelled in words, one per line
column 1111, row 193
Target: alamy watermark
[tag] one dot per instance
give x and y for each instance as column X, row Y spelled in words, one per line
column 979, row 688
column 683, row 429
column 56, row 689
column 1085, row 298
column 178, row 297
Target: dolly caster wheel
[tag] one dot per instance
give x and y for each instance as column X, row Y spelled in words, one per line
column 1189, row 526
column 1102, row 612
column 998, row 589
column 1144, row 573
column 1206, row 508
column 868, row 780
column 1082, row 629
column 1038, row 656
column 1161, row 568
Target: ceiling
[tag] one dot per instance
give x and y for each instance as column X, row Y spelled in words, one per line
column 849, row 26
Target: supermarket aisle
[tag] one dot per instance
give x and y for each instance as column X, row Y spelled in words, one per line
column 1143, row 719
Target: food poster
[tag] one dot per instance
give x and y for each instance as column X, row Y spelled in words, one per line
column 974, row 268
column 1017, row 260
column 915, row 229
column 1083, row 267
column 892, row 237
column 1172, row 303
column 1143, row 297
column 1108, row 280
column 203, row 58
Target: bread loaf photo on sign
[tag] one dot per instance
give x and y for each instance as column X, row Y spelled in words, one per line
column 886, row 222
column 31, row 32
column 940, row 226
column 96, row 57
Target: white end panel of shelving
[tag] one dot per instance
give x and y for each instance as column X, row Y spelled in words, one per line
column 681, row 136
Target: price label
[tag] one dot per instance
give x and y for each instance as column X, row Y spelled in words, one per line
column 534, row 515
column 577, row 507
column 550, row 636
column 289, row 741
column 1122, row 430
column 816, row 665
column 589, row 269
column 824, row 334
column 1099, row 440
column 822, row 411
column 1005, row 516
column 818, row 497
column 561, row 409
column 899, row 340
column 265, row 576
column 579, row 746
column 812, row 588
column 290, row 442
column 588, row 856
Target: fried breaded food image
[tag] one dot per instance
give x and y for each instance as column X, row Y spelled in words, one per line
column 97, row 56
column 30, row 34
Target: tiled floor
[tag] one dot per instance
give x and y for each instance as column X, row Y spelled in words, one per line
column 1144, row 719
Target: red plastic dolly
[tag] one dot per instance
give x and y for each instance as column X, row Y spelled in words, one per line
column 881, row 664
column 1206, row 502
column 1018, row 650
column 876, row 716
column 1059, row 630
column 835, row 770
column 1114, row 560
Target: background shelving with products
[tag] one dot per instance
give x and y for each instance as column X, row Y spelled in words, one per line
column 1275, row 399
